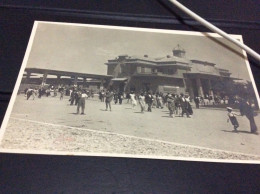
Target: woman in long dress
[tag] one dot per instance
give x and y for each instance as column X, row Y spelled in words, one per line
column 142, row 102
column 159, row 101
column 133, row 100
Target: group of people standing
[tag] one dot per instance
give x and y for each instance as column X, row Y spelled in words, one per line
column 79, row 96
column 41, row 91
column 177, row 104
column 208, row 100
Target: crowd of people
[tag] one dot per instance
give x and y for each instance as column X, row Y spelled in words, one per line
column 177, row 105
column 211, row 100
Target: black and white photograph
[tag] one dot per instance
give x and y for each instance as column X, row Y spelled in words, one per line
column 97, row 90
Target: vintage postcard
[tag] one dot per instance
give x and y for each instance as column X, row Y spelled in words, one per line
column 98, row 90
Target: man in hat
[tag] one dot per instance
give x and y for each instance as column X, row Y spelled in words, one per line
column 82, row 101
column 149, row 101
column 247, row 110
column 185, row 106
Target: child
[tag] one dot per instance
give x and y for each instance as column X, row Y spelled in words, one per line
column 232, row 118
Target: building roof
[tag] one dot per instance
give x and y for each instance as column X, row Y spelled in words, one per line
column 169, row 59
column 197, row 69
column 146, row 60
column 202, row 62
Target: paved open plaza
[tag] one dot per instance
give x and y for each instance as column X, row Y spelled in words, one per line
column 51, row 124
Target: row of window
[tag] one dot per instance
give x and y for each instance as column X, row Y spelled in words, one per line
column 148, row 70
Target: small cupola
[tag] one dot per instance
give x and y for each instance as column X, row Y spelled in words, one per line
column 179, row 52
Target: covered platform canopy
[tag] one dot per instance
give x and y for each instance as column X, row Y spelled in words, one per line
column 66, row 73
column 76, row 76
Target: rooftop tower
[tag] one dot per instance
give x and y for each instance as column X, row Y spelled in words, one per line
column 179, row 52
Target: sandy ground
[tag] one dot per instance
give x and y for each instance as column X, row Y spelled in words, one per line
column 49, row 124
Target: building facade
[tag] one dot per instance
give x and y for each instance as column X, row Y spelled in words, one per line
column 172, row 73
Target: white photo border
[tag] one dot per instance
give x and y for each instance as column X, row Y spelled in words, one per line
column 44, row 152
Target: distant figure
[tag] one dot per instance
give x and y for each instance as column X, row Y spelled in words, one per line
column 92, row 93
column 81, row 102
column 55, row 92
column 186, row 107
column 149, row 101
column 142, row 102
column 25, row 92
column 61, row 94
column 197, row 102
column 120, row 97
column 128, row 97
column 77, row 97
column 232, row 118
column 40, row 92
column 177, row 105
column 102, row 95
column 30, row 92
column 171, row 105
column 109, row 98
column 115, row 97
column 72, row 97
column 133, row 100
column 48, row 92
column 159, row 101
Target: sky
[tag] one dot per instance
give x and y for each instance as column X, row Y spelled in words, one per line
column 86, row 49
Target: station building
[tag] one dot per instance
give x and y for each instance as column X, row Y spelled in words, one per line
column 172, row 73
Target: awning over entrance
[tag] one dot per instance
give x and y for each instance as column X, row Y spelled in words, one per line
column 120, row 79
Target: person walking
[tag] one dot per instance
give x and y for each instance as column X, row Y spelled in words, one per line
column 109, row 98
column 133, row 100
column 61, row 93
column 72, row 97
column 128, row 97
column 171, row 105
column 160, row 101
column 197, row 102
column 82, row 101
column 185, row 106
column 120, row 97
column 149, row 101
column 29, row 93
column 102, row 94
column 77, row 97
column 115, row 97
column 177, row 100
column 142, row 102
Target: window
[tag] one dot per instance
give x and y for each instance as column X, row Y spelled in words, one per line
column 171, row 71
column 119, row 69
column 148, row 70
column 154, row 70
column 142, row 70
column 138, row 69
